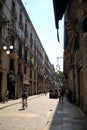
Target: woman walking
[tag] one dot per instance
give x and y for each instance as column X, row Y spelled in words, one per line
column 6, row 95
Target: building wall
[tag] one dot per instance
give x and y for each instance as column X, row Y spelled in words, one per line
column 26, row 65
column 76, row 13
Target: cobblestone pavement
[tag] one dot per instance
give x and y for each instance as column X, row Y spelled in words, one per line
column 68, row 117
column 34, row 117
column 42, row 114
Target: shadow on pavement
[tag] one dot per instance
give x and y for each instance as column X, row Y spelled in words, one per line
column 68, row 117
column 21, row 109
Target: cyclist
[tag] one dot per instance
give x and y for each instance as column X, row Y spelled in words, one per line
column 24, row 99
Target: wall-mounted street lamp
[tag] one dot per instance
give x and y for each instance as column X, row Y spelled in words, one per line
column 8, row 46
column 7, row 43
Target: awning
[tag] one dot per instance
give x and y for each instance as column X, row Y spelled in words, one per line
column 59, row 9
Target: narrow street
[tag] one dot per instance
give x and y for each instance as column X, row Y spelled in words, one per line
column 42, row 113
column 34, row 117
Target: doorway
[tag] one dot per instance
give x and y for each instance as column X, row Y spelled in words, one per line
column 11, row 87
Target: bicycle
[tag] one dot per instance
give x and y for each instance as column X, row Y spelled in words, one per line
column 24, row 103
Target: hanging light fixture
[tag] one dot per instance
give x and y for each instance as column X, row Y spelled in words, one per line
column 11, row 47
column 8, row 45
column 5, row 47
column 8, row 48
column 7, row 52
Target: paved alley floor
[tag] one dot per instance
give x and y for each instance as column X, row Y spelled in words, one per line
column 66, row 116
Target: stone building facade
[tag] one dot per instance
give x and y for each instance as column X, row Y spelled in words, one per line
column 75, row 63
column 27, row 66
column 75, row 47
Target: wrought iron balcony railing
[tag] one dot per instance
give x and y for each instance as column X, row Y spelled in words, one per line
column 14, row 14
column 3, row 19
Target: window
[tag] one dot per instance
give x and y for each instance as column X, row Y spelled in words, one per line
column 13, row 6
column 19, row 68
column 20, row 16
column 20, row 50
column 84, row 25
column 12, row 23
column 25, row 27
column 26, row 32
column 35, row 44
column 21, row 20
column 0, row 30
column 30, row 73
column 34, row 75
column 26, row 56
column 31, row 37
column 1, row 7
column 25, row 70
column 11, row 64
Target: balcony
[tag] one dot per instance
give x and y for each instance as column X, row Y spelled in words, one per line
column 21, row 25
column 20, row 73
column 31, row 62
column 3, row 19
column 20, row 36
column 2, row 41
column 2, row 4
column 14, row 54
column 26, row 44
column 4, row 1
column 12, row 30
column 14, row 14
column 21, row 58
column 26, row 34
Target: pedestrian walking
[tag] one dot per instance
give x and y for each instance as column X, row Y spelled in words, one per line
column 24, row 98
column 70, row 96
column 59, row 95
column 62, row 94
column 6, row 95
